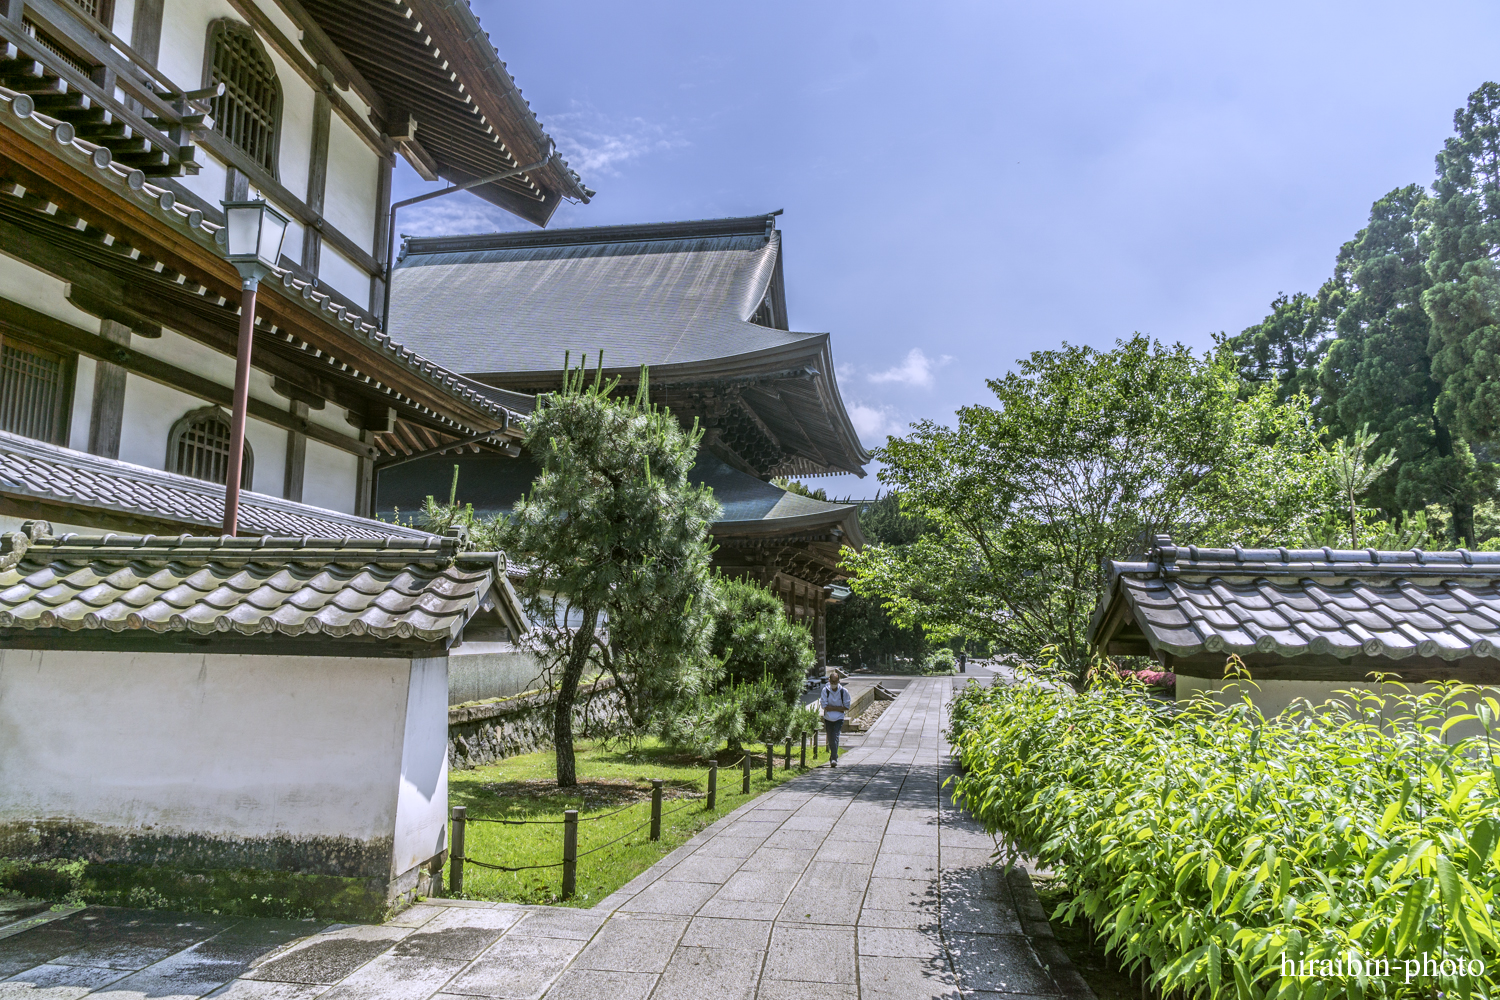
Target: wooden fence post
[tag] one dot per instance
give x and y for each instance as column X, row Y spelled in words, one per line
column 656, row 808
column 745, row 760
column 570, row 853
column 770, row 761
column 713, row 786
column 456, row 854
column 786, row 760
column 815, row 744
column 803, row 762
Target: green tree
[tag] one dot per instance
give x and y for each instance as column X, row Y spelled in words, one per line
column 1461, row 239
column 1354, row 472
column 613, row 531
column 859, row 627
column 1088, row 454
column 800, row 488
column 1286, row 347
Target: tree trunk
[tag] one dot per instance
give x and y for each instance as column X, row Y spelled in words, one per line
column 567, row 696
column 1463, row 524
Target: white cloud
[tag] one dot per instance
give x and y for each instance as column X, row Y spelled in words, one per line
column 916, row 370
column 873, row 423
column 594, row 144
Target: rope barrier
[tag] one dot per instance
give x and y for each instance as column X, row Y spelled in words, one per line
column 503, row 868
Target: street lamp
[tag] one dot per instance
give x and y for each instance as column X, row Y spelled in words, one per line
column 253, row 234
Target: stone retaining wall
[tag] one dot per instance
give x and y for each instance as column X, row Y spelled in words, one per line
column 482, row 734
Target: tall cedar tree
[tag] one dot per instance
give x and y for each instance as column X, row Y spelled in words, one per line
column 1378, row 372
column 1461, row 239
column 613, row 532
column 1286, row 347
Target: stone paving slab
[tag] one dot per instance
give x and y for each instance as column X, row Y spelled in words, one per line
column 853, row 883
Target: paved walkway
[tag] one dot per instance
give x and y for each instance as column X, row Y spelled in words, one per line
column 861, row 882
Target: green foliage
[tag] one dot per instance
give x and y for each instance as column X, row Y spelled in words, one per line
column 613, row 531
column 1215, row 844
column 754, row 640
column 942, row 661
column 1286, row 347
column 1354, row 472
column 800, row 488
column 859, row 630
column 1088, row 454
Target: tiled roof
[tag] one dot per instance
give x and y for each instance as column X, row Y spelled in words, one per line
column 32, row 468
column 1192, row 602
column 381, row 588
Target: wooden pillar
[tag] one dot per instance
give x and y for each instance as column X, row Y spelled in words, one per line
column 236, row 186
column 820, row 640
column 317, row 178
column 108, row 412
column 145, row 29
column 382, row 224
column 296, row 456
column 364, row 487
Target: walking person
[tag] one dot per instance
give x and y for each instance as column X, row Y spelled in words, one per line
column 834, row 700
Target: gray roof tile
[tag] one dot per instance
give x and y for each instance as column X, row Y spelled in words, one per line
column 383, row 588
column 33, row 468
column 1189, row 601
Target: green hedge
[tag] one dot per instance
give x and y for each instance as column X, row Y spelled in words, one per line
column 1235, row 854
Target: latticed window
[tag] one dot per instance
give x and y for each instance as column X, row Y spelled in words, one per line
column 199, row 447
column 33, row 392
column 248, row 113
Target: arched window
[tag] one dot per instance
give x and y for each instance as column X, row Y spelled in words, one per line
column 248, row 113
column 199, row 447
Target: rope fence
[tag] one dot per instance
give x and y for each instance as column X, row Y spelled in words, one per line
column 457, row 858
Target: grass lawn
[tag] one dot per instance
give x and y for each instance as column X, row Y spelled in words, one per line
column 609, row 779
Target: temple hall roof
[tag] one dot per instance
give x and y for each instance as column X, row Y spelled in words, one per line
column 1307, row 613
column 701, row 303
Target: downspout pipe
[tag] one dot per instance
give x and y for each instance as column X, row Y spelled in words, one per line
column 390, row 232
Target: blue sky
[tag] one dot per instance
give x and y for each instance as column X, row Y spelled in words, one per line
column 965, row 183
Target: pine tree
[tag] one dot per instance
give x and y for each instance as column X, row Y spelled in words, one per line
column 613, row 532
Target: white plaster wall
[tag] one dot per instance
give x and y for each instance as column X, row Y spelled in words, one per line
column 83, row 404
column 353, row 179
column 205, row 743
column 184, row 35
column 422, row 799
column 343, row 275
column 1274, row 697
column 295, row 151
column 210, row 181
column 150, row 411
column 329, row 478
column 124, row 19
column 39, row 290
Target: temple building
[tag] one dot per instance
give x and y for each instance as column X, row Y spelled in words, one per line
column 703, row 305
column 276, row 700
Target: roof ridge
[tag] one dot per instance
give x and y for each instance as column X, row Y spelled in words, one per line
column 631, row 232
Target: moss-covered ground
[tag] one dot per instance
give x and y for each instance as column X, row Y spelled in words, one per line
column 615, row 786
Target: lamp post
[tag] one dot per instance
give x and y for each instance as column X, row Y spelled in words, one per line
column 253, row 234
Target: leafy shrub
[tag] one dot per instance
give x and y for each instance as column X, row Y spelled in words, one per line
column 940, row 661
column 1215, row 844
column 744, row 713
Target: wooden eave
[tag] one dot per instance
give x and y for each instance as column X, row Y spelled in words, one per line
column 114, row 211
column 429, row 60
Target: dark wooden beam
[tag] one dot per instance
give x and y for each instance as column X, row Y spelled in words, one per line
column 317, row 179
column 382, row 226
column 316, row 41
column 21, row 320
column 145, row 29
column 296, row 456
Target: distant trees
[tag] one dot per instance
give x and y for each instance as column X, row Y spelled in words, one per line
column 1087, row 455
column 859, row 628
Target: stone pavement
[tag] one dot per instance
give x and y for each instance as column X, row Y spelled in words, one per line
column 861, row 882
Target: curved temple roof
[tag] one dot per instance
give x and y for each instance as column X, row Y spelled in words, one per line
column 1307, row 613
column 701, row 303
